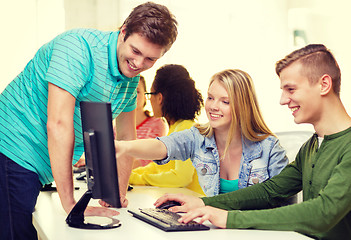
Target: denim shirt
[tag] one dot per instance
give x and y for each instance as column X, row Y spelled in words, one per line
column 259, row 162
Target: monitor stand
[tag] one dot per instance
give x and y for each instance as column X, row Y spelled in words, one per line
column 76, row 217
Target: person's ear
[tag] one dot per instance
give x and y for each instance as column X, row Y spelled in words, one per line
column 326, row 84
column 159, row 98
column 123, row 32
column 123, row 29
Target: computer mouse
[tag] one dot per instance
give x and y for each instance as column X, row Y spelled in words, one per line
column 169, row 204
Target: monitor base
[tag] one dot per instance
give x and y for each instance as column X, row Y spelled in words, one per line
column 76, row 217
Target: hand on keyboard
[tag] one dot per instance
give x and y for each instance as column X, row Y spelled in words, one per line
column 187, row 202
column 216, row 216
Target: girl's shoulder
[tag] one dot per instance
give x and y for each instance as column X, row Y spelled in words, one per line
column 271, row 140
column 156, row 120
column 152, row 121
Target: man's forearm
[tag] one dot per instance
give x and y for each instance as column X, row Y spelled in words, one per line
column 124, row 167
column 60, row 151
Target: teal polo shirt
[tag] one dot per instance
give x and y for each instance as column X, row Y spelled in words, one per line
column 84, row 63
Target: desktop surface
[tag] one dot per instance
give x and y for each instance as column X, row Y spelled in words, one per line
column 49, row 220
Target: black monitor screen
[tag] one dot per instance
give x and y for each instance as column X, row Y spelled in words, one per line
column 101, row 166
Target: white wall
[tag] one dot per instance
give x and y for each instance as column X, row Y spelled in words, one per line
column 26, row 25
column 213, row 35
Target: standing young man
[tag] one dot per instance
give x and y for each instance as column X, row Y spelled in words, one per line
column 310, row 83
column 40, row 125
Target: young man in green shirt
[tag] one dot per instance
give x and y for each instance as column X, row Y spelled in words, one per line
column 310, row 83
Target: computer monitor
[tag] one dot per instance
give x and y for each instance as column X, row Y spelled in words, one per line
column 100, row 159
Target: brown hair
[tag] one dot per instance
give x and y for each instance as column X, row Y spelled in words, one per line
column 142, row 81
column 316, row 60
column 153, row 21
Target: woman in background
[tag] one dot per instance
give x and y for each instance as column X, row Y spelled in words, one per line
column 173, row 96
column 147, row 126
column 234, row 150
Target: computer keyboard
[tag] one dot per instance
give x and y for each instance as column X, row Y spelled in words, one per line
column 166, row 220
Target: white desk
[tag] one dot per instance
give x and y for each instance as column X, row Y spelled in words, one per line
column 49, row 220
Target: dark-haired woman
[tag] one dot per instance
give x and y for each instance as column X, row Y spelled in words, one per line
column 173, row 96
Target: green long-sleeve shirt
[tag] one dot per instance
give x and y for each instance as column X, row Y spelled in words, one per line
column 323, row 174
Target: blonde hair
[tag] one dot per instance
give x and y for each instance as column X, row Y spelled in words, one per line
column 244, row 107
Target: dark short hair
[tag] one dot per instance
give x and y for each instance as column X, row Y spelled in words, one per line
column 181, row 100
column 142, row 81
column 153, row 21
column 316, row 60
